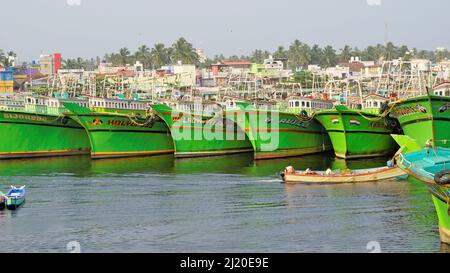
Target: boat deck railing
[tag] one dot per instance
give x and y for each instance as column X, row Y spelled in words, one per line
column 410, row 165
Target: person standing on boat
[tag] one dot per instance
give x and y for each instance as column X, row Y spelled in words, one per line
column 428, row 145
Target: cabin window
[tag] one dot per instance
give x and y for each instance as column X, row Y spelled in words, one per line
column 307, row 104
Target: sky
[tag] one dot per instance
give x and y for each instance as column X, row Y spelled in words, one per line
column 90, row 28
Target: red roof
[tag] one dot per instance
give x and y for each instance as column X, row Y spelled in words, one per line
column 443, row 84
column 236, row 62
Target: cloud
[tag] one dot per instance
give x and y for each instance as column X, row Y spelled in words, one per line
column 373, row 2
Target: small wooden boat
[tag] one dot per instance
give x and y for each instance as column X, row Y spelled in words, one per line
column 15, row 197
column 2, row 201
column 364, row 175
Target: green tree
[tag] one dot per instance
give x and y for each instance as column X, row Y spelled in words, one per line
column 299, row 55
column 184, row 51
column 316, row 54
column 345, row 54
column 280, row 53
column 329, row 56
column 258, row 56
column 143, row 55
column 391, row 51
column 441, row 55
column 124, row 55
column 159, row 55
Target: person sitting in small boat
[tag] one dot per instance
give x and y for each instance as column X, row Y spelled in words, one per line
column 290, row 169
column 428, row 145
column 308, row 171
column 328, row 171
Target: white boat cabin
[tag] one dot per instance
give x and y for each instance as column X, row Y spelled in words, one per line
column 118, row 104
column 374, row 101
column 303, row 103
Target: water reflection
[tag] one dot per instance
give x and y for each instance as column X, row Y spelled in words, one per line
column 242, row 164
column 227, row 203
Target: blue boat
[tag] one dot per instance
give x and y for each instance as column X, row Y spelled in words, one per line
column 2, row 201
column 432, row 166
column 15, row 197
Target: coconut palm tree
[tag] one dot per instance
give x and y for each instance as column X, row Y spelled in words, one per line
column 159, row 55
column 280, row 53
column 184, row 51
column 391, row 51
column 299, row 54
column 143, row 55
column 258, row 56
column 2, row 58
column 316, row 54
column 329, row 56
column 124, row 55
column 345, row 54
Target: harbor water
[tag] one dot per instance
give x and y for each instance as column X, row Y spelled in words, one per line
column 215, row 204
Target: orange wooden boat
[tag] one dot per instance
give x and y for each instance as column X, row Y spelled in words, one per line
column 356, row 176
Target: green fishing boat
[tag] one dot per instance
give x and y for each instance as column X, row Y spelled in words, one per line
column 36, row 130
column 123, row 132
column 203, row 134
column 358, row 133
column 277, row 134
column 425, row 119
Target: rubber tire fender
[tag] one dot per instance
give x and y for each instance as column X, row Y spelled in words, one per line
column 439, row 177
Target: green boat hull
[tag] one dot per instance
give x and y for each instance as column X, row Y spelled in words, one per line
column 443, row 210
column 196, row 136
column 27, row 134
column 441, row 199
column 425, row 119
column 357, row 134
column 121, row 135
column 275, row 134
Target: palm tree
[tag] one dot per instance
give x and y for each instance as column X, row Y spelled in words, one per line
column 159, row 55
column 316, row 54
column 258, row 56
column 2, row 58
column 345, row 54
column 184, row 51
column 124, row 55
column 143, row 55
column 391, row 51
column 329, row 56
column 441, row 54
column 299, row 54
column 281, row 53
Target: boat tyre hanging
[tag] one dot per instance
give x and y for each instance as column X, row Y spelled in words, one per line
column 442, row 177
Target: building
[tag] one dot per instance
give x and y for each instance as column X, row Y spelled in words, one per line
column 6, row 80
column 226, row 67
column 202, row 57
column 50, row 64
column 339, row 72
column 270, row 68
column 184, row 74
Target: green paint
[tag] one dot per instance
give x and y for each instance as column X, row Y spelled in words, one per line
column 122, row 135
column 26, row 134
column 357, row 133
column 201, row 135
column 442, row 210
column 425, row 118
column 276, row 134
